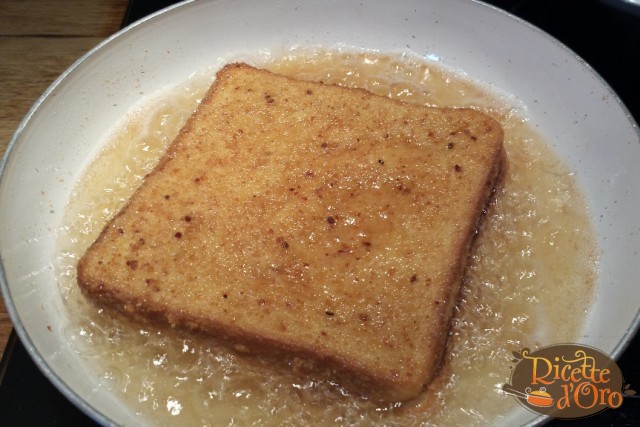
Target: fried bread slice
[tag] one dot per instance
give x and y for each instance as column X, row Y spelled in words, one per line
column 309, row 220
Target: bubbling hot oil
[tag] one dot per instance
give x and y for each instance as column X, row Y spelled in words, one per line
column 528, row 284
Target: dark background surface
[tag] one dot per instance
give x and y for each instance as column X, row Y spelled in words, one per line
column 606, row 37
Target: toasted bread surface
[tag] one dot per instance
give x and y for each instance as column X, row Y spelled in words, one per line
column 308, row 219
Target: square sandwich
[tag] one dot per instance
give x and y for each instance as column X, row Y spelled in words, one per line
column 307, row 220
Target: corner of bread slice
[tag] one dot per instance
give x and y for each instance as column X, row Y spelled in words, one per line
column 308, row 220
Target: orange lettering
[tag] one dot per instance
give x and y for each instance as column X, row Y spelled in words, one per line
column 541, row 378
column 602, row 377
column 586, row 389
column 575, row 375
column 615, row 399
column 564, row 401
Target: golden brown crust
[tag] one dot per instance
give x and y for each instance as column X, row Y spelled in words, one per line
column 306, row 219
